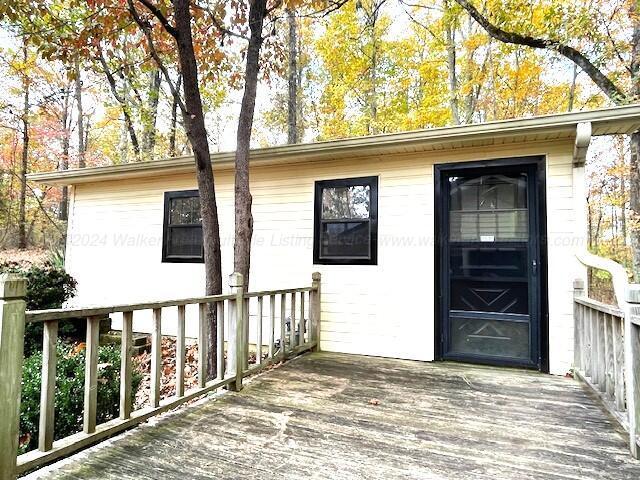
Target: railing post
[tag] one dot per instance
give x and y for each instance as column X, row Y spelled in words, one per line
column 578, row 325
column 237, row 329
column 314, row 310
column 632, row 363
column 12, row 320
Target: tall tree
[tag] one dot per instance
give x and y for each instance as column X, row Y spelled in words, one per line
column 194, row 122
column 292, row 79
column 78, row 95
column 243, row 217
column 26, row 111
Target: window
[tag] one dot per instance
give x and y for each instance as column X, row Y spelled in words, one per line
column 346, row 221
column 182, row 233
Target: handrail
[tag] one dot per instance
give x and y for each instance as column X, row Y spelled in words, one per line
column 619, row 276
column 33, row 316
column 607, row 340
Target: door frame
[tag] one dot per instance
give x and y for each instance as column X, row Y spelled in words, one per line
column 441, row 235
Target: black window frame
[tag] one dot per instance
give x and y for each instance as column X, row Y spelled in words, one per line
column 167, row 226
column 372, row 182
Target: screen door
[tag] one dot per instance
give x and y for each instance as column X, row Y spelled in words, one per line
column 490, row 266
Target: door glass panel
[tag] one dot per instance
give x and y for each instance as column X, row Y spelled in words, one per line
column 488, row 208
column 489, row 279
column 496, row 338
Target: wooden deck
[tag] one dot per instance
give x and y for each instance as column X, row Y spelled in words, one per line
column 316, row 417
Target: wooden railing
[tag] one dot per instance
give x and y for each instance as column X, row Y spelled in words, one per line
column 607, row 346
column 285, row 337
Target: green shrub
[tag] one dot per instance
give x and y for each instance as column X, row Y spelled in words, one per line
column 47, row 287
column 69, row 396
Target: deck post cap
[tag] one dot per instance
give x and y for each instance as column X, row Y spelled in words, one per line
column 236, row 280
column 315, row 276
column 12, row 286
column 633, row 293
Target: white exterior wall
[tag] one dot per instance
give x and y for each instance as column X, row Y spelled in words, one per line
column 115, row 241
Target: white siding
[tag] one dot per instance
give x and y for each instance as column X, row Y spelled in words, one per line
column 115, row 238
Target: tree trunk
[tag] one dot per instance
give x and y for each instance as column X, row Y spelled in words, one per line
column 196, row 132
column 451, row 66
column 634, row 167
column 22, row 211
column 634, row 203
column 373, row 74
column 174, row 120
column 151, row 115
column 123, row 100
column 81, row 144
column 63, row 213
column 292, row 74
column 243, row 217
column 572, row 89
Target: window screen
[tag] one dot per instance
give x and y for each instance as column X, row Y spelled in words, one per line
column 346, row 221
column 182, row 239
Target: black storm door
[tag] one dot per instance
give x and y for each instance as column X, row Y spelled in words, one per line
column 489, row 254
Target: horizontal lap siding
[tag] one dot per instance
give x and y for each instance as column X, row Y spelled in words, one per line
column 115, row 239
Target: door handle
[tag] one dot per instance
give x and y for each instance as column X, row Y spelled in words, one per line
column 534, row 267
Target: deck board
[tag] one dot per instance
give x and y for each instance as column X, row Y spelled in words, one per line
column 312, row 418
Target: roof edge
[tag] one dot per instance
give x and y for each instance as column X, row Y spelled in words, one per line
column 604, row 121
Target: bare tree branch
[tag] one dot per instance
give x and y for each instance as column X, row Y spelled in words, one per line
column 146, row 29
column 123, row 104
column 171, row 30
column 600, row 79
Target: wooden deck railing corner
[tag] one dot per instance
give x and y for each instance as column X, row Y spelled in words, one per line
column 607, row 346
column 232, row 365
column 13, row 290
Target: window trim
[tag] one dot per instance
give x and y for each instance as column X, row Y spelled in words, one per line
column 372, row 259
column 166, row 258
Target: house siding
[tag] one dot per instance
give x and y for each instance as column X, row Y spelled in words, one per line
column 115, row 241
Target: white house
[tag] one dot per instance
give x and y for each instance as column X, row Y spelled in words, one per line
column 449, row 243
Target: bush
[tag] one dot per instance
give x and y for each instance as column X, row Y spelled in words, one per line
column 47, row 287
column 69, row 396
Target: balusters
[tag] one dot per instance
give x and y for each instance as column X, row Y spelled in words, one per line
column 301, row 327
column 315, row 309
column 272, row 322
column 245, row 350
column 283, row 319
column 156, row 357
column 609, row 357
column 220, row 340
column 292, row 324
column 202, row 344
column 595, row 367
column 602, row 355
column 180, row 350
column 259, row 331
column 618, row 363
column 91, row 375
column 48, row 386
column 126, row 340
column 586, row 322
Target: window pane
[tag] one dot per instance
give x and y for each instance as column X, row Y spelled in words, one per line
column 345, row 239
column 346, row 202
column 489, row 208
column 185, row 242
column 184, row 210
